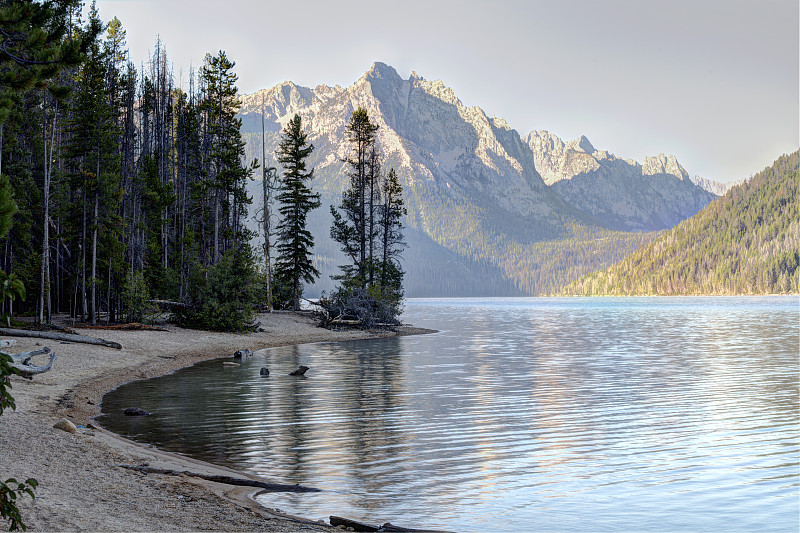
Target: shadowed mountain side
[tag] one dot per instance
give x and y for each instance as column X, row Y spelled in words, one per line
column 646, row 203
column 745, row 242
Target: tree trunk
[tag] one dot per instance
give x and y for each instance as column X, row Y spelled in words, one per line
column 66, row 337
column 84, row 307
column 44, row 278
column 266, row 177
column 93, row 306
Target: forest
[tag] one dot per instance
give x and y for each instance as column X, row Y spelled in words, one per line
column 121, row 188
column 745, row 242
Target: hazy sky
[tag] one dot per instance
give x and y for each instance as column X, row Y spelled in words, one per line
column 714, row 82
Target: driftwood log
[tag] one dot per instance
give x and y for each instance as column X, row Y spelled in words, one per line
column 66, row 337
column 21, row 362
column 337, row 521
column 169, row 303
column 228, row 480
column 131, row 326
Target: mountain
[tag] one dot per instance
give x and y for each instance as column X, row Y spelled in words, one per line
column 717, row 188
column 477, row 205
column 621, row 193
column 745, row 242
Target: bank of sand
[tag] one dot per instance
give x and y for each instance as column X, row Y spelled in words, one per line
column 81, row 488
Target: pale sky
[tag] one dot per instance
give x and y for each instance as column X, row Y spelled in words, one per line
column 714, row 82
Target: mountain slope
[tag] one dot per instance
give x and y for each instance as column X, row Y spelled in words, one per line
column 745, row 242
column 474, row 196
column 621, row 193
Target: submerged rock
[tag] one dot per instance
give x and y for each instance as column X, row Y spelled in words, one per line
column 135, row 411
column 264, row 371
column 301, row 371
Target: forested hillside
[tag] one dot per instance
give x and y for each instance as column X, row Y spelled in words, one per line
column 745, row 242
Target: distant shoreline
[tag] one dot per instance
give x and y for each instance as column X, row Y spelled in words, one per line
column 81, row 485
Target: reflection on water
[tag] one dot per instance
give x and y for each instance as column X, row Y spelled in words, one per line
column 645, row 414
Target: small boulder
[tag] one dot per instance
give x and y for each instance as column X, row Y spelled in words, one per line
column 301, row 371
column 66, row 425
column 135, row 411
column 230, row 363
column 241, row 354
column 264, row 371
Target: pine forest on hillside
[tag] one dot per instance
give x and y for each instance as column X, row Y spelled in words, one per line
column 745, row 242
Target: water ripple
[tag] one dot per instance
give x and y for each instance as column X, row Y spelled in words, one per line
column 651, row 414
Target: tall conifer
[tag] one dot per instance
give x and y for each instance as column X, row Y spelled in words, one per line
column 294, row 263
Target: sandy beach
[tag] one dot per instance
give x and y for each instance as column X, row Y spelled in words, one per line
column 81, row 486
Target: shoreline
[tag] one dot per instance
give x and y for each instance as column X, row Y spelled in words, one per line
column 81, row 486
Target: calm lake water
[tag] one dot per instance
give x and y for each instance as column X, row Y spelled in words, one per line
column 605, row 414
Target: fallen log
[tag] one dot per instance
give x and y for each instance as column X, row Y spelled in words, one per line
column 253, row 327
column 66, row 337
column 169, row 303
column 131, row 326
column 21, row 361
column 228, row 480
column 64, row 329
column 337, row 521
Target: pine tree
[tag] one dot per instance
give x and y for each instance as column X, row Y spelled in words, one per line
column 34, row 47
column 294, row 263
column 269, row 179
column 353, row 222
column 368, row 227
column 96, row 164
column 392, row 244
column 219, row 267
column 226, row 148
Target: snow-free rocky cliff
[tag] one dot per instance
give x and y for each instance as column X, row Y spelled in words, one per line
column 620, row 193
column 479, row 195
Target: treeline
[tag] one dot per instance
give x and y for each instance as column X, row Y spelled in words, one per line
column 128, row 187
column 745, row 242
column 122, row 187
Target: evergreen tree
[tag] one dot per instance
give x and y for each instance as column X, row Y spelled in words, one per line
column 353, row 223
column 392, row 244
column 8, row 207
column 368, row 227
column 96, row 168
column 34, row 46
column 220, row 271
column 226, row 173
column 294, row 263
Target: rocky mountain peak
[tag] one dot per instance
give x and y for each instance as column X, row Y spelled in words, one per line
column 663, row 164
column 382, row 71
column 581, row 144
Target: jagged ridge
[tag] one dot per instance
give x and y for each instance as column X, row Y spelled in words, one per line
column 470, row 180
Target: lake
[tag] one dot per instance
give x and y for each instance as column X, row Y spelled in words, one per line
column 522, row 414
